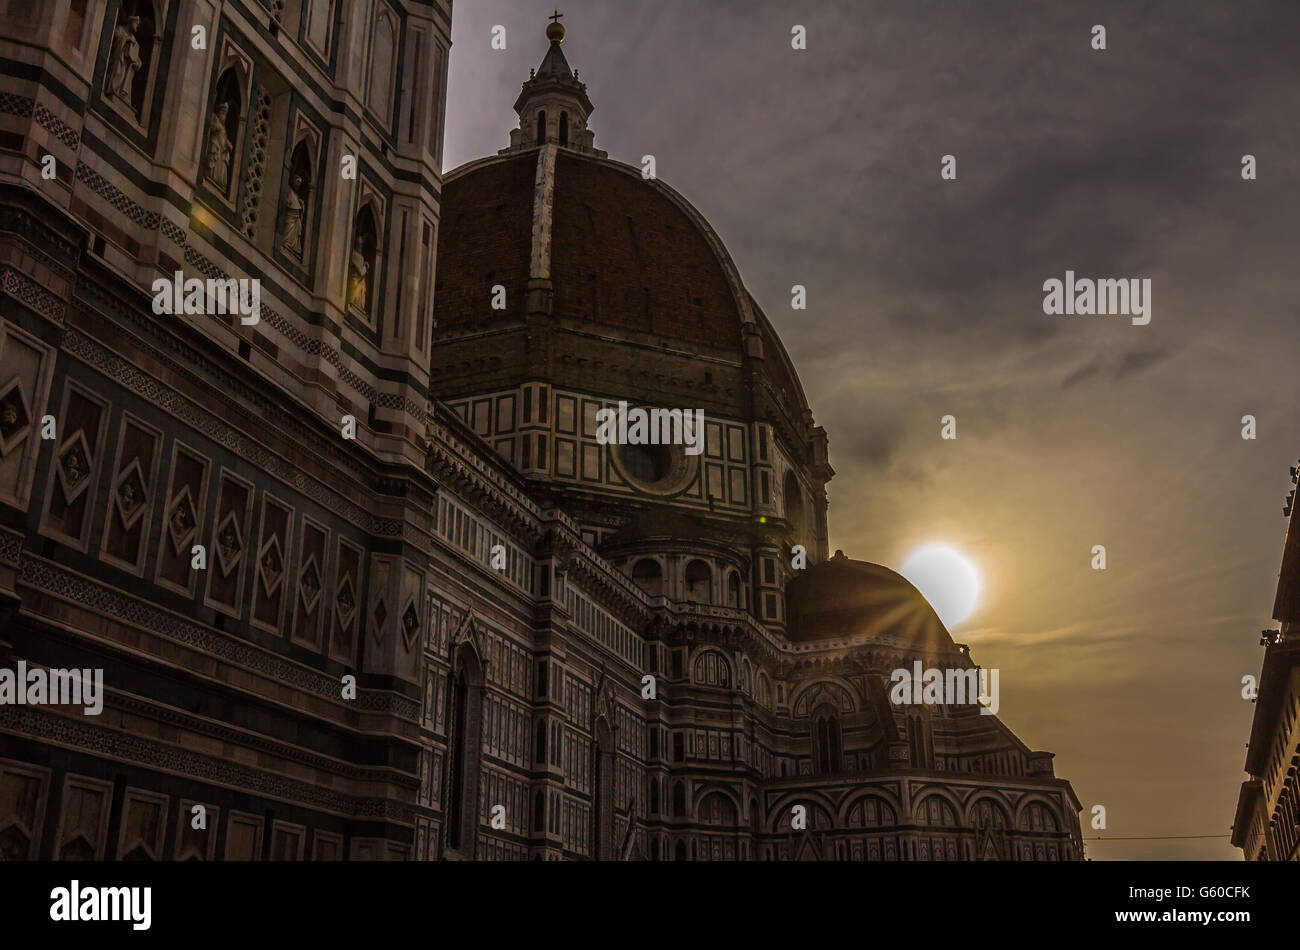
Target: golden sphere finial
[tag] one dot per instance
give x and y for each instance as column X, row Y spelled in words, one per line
column 555, row 32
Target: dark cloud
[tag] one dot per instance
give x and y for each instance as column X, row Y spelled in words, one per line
column 1139, row 361
column 1079, row 375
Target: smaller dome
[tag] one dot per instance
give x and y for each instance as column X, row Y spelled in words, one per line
column 842, row 597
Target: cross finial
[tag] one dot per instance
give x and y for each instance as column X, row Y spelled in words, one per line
column 555, row 32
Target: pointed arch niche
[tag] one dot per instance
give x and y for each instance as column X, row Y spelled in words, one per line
column 602, row 824
column 297, row 217
column 365, row 259
column 223, row 130
column 132, row 47
column 465, row 718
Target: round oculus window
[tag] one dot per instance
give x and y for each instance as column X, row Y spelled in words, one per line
column 655, row 469
column 647, row 464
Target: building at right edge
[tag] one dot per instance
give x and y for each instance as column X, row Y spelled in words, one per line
column 1267, row 826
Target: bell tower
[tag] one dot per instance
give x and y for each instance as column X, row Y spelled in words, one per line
column 553, row 106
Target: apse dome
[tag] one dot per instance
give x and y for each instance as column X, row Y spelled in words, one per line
column 841, row 597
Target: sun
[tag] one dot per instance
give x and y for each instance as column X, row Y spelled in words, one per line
column 946, row 579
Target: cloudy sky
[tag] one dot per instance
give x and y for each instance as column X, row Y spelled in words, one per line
column 822, row 168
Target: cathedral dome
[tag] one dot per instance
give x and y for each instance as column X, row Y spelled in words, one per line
column 841, row 597
column 624, row 252
column 551, row 228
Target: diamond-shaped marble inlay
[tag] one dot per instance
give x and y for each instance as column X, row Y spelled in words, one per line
column 130, row 495
column 410, row 622
column 230, row 544
column 381, row 615
column 183, row 522
column 15, row 416
column 346, row 600
column 271, row 566
column 73, row 468
column 309, row 585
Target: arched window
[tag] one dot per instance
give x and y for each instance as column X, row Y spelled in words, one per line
column 361, row 264
column 539, row 812
column 540, row 742
column 794, row 504
column 918, row 743
column 564, row 128
column 649, row 576
column 712, row 669
column 541, row 127
column 679, row 800
column 988, row 815
column 827, row 741
column 763, row 691
column 698, row 581
column 131, row 54
column 733, row 589
column 1037, row 817
column 936, row 812
column 681, row 851
column 466, row 699
column 654, row 797
column 602, row 825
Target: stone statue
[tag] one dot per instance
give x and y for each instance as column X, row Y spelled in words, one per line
column 123, row 60
column 219, row 148
column 294, row 213
column 358, row 273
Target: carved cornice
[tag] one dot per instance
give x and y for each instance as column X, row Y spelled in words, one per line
column 59, row 582
column 83, row 735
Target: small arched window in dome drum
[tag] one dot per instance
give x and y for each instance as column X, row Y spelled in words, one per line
column 794, row 504
column 649, row 576
column 733, row 589
column 698, row 581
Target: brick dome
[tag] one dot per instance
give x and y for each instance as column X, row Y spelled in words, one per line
column 624, row 253
column 612, row 249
